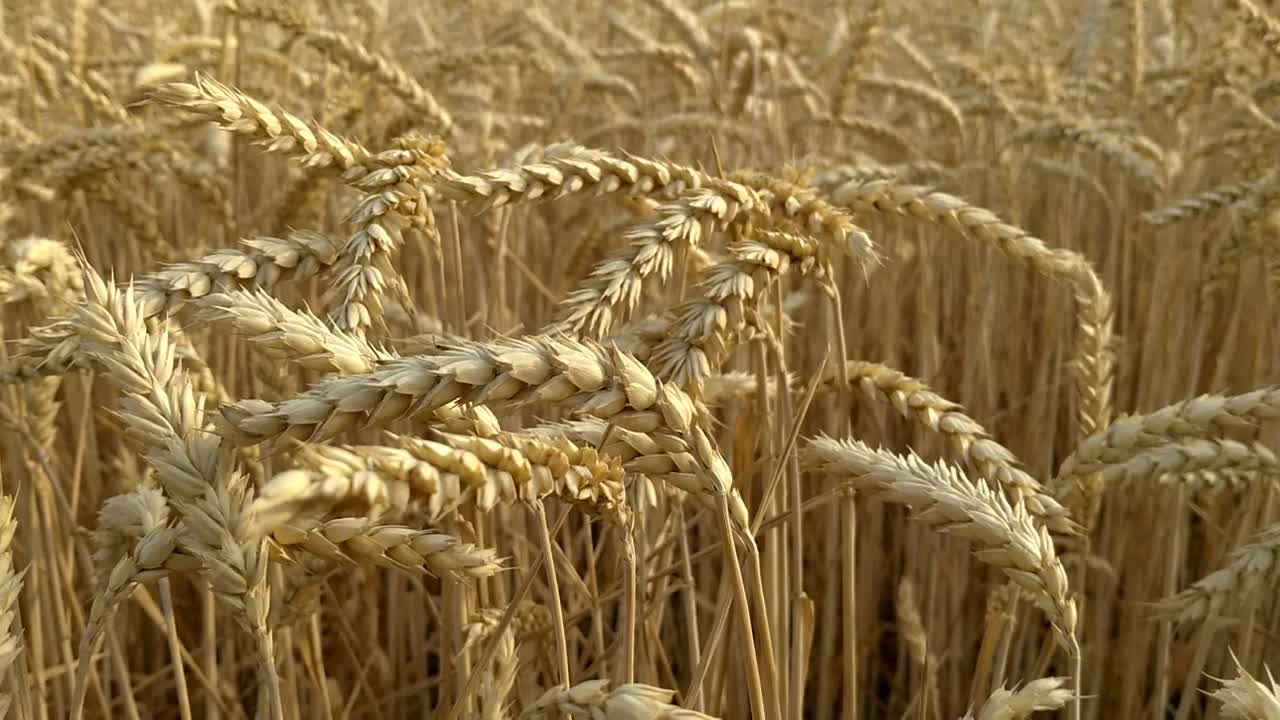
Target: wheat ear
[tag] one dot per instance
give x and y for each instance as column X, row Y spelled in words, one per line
column 279, row 131
column 1040, row 695
column 408, row 549
column 1093, row 359
column 594, row 700
column 135, row 543
column 943, row 497
column 394, row 197
column 265, row 261
column 1206, row 416
column 614, row 287
column 419, row 476
column 1246, row 567
column 567, row 169
column 161, row 412
column 1203, row 203
column 1245, row 697
column 584, row 377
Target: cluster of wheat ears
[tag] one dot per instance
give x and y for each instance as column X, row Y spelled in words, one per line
column 662, row 359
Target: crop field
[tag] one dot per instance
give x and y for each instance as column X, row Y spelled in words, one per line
column 673, row 359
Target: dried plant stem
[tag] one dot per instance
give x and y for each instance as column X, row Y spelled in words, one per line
column 755, row 689
column 1008, row 622
column 771, row 679
column 270, row 676
column 209, row 656
column 171, row 631
column 849, row 606
column 631, row 599
column 1165, row 636
column 491, row 648
column 455, row 610
column 848, row 529
column 721, row 621
column 317, row 650
column 557, row 610
column 692, row 635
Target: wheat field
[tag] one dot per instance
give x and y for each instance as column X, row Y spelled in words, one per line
column 660, row 359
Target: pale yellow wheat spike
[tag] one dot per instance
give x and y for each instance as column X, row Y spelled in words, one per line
column 593, row 699
column 1245, row 697
column 1045, row 694
column 943, row 497
column 1206, row 416
column 295, row 335
column 1203, row 203
column 265, row 261
column 1093, row 358
column 566, row 169
column 162, row 413
column 278, row 130
column 614, row 287
column 416, row 476
column 408, row 549
column 1246, row 567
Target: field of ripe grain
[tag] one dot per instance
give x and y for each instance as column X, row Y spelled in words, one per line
column 675, row 359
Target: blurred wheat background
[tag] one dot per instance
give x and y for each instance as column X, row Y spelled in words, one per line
column 654, row 359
